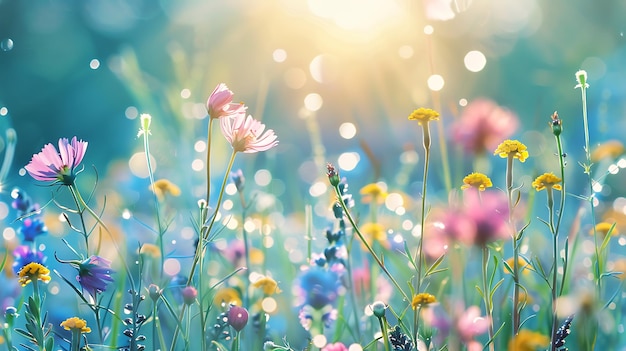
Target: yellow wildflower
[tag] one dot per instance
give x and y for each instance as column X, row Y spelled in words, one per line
column 424, row 115
column 227, row 296
column 476, row 180
column 512, row 148
column 150, row 250
column 75, row 323
column 33, row 271
column 374, row 232
column 524, row 267
column 422, row 299
column 164, row 186
column 373, row 192
column 268, row 285
column 527, row 340
column 619, row 266
column 610, row 149
column 603, row 228
column 547, row 180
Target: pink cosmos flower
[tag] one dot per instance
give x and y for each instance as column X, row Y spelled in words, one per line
column 335, row 347
column 481, row 219
column 220, row 103
column 483, row 125
column 245, row 134
column 52, row 166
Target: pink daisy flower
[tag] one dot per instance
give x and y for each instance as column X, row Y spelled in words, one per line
column 51, row 165
column 246, row 134
column 220, row 103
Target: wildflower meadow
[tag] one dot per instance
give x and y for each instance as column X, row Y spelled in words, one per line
column 455, row 223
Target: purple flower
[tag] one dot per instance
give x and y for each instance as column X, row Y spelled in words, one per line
column 32, row 228
column 237, row 317
column 23, row 255
column 51, row 165
column 238, row 179
column 94, row 274
column 318, row 287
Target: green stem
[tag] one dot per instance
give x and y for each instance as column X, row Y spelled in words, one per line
column 208, row 161
column 80, row 207
column 487, row 296
column 383, row 329
column 369, row 248
column 146, row 146
column 587, row 168
column 204, row 236
column 509, row 189
column 75, row 343
column 420, row 247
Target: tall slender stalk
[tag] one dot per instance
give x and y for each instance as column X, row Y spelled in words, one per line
column 205, row 230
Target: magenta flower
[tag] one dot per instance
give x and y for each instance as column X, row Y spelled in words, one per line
column 335, row 347
column 51, row 165
column 94, row 274
column 246, row 134
column 483, row 125
column 237, row 317
column 220, row 103
column 471, row 324
column 481, row 219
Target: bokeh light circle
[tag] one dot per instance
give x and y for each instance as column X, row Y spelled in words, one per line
column 348, row 161
column 313, row 102
column 347, row 130
column 138, row 165
column 435, row 82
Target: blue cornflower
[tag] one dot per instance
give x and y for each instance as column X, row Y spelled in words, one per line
column 23, row 255
column 318, row 287
column 31, row 228
column 94, row 274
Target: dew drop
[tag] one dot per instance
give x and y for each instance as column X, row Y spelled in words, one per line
column 6, row 44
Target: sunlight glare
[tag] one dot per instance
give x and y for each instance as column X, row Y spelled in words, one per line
column 356, row 14
column 435, row 82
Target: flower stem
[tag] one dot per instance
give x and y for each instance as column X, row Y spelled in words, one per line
column 516, row 286
column 487, row 295
column 367, row 245
column 383, row 329
column 208, row 161
column 205, row 231
column 146, row 147
column 421, row 261
column 75, row 343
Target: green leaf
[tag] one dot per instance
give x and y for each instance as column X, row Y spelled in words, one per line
column 607, row 238
column 49, row 344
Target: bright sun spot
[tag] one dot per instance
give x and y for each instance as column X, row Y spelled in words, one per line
column 356, row 14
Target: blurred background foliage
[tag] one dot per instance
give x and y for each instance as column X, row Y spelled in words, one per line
column 88, row 68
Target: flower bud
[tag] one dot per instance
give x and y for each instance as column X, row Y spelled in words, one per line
column 378, row 308
column 154, row 292
column 189, row 295
column 333, row 175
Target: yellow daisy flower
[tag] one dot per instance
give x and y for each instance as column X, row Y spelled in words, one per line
column 512, row 148
column 603, row 228
column 424, row 115
column 227, row 296
column 476, row 180
column 422, row 299
column 373, row 232
column 75, row 323
column 373, row 193
column 610, row 149
column 150, row 250
column 164, row 186
column 527, row 340
column 524, row 267
column 547, row 180
column 268, row 285
column 33, row 271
